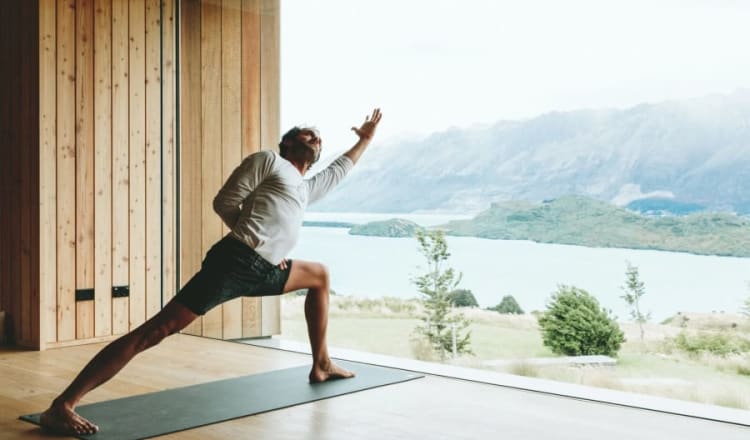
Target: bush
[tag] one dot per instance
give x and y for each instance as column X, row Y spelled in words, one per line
column 719, row 344
column 508, row 305
column 575, row 325
column 462, row 298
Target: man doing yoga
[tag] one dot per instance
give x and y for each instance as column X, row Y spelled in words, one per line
column 262, row 203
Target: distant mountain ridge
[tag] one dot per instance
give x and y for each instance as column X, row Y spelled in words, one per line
column 688, row 153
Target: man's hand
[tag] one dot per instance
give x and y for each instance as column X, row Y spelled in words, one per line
column 283, row 264
column 367, row 130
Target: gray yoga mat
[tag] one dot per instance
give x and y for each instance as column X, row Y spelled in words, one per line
column 168, row 411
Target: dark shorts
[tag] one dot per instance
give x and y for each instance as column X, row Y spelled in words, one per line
column 231, row 269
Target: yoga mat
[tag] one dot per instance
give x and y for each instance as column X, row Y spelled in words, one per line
column 168, row 411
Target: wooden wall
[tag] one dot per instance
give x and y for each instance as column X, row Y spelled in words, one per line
column 101, row 65
column 229, row 108
column 97, row 165
column 97, row 195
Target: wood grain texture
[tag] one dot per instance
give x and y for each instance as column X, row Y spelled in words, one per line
column 66, row 170
column 169, row 205
column 251, row 307
column 47, row 171
column 270, row 129
column 103, row 167
column 231, row 129
column 84, row 169
column 153, row 213
column 211, row 117
column 191, row 135
column 137, row 163
column 120, row 261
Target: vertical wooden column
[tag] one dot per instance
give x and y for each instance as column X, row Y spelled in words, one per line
column 191, row 174
column 120, row 261
column 168, row 140
column 47, row 172
column 152, row 165
column 270, row 130
column 137, row 164
column 102, row 181
column 250, row 110
column 66, row 171
column 211, row 117
column 231, row 128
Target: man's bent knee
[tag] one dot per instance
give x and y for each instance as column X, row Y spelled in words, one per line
column 307, row 275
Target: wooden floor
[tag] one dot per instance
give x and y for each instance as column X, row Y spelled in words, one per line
column 429, row 408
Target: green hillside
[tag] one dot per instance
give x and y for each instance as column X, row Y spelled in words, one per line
column 582, row 221
column 387, row 228
column 587, row 222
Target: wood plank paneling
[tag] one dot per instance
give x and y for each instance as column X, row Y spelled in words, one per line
column 137, row 156
column 103, row 167
column 66, row 170
column 211, row 117
column 250, row 111
column 168, row 139
column 84, row 177
column 82, row 170
column 270, row 130
column 231, row 128
column 47, row 171
column 120, row 162
column 153, row 158
column 190, row 147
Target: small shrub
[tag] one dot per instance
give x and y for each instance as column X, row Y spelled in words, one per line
column 575, row 325
column 463, row 298
column 508, row 305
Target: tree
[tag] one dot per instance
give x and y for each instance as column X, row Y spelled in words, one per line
column 463, row 298
column 508, row 305
column 634, row 289
column 575, row 325
column 444, row 328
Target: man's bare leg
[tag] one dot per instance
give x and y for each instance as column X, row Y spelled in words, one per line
column 61, row 417
column 315, row 278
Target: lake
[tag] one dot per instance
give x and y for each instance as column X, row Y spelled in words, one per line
column 381, row 266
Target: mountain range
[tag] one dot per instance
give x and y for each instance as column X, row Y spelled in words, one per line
column 674, row 157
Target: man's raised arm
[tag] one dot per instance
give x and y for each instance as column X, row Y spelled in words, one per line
column 365, row 133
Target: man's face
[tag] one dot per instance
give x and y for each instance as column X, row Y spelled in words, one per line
column 311, row 138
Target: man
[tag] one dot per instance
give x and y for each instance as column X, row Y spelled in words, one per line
column 262, row 202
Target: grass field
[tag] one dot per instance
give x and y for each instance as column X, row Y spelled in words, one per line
column 655, row 366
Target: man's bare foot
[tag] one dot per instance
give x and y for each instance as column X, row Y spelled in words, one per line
column 62, row 420
column 327, row 370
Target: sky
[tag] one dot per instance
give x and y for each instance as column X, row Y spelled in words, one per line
column 435, row 64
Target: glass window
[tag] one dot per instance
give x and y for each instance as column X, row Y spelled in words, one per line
column 587, row 162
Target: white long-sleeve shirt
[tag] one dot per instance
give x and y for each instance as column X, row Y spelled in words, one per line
column 264, row 200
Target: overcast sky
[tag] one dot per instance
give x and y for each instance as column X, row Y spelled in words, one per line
column 435, row 64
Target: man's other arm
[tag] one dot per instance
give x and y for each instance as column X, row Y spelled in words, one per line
column 240, row 184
